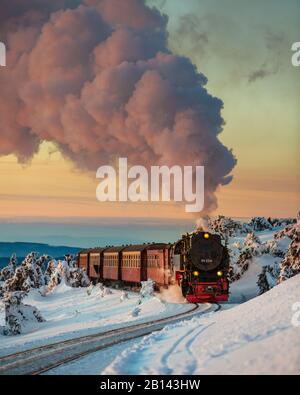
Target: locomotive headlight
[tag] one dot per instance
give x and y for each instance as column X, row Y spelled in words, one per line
column 196, row 274
column 206, row 235
column 219, row 274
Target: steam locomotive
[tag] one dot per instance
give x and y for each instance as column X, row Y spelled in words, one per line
column 198, row 262
column 204, row 266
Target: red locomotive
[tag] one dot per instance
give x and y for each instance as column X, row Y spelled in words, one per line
column 198, row 262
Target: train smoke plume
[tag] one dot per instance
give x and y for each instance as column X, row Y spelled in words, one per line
column 96, row 78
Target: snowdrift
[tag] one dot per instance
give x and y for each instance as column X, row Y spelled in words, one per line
column 261, row 336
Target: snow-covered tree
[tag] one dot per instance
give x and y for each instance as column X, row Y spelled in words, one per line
column 18, row 282
column 258, row 224
column 17, row 314
column 50, row 269
column 78, row 278
column 70, row 260
column 267, row 278
column 281, row 222
column 72, row 276
column 253, row 243
column 225, row 226
column 136, row 311
column 28, row 275
column 124, row 296
column 290, row 265
column 33, row 270
column 9, row 270
column 276, row 247
column 237, row 269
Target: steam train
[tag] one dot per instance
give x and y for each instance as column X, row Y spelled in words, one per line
column 204, row 266
column 198, row 262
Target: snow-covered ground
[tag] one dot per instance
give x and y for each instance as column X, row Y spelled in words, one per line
column 256, row 337
column 71, row 312
column 251, row 334
column 246, row 288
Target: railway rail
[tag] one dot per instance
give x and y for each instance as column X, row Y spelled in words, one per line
column 41, row 359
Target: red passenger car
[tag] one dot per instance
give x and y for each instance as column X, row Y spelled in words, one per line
column 111, row 263
column 159, row 263
column 133, row 263
column 96, row 264
column 83, row 260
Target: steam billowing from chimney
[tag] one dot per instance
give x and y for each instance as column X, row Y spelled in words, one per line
column 96, row 78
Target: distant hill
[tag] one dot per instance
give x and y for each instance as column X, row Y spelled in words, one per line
column 22, row 249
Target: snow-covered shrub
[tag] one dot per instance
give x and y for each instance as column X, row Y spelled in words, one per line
column 124, row 296
column 105, row 291
column 147, row 291
column 90, row 289
column 136, row 311
column 74, row 277
column 78, row 278
column 17, row 314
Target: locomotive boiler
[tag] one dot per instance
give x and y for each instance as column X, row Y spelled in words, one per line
column 203, row 268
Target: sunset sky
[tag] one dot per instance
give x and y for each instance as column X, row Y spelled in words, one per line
column 244, row 50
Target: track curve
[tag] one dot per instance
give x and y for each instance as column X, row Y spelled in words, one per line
column 42, row 359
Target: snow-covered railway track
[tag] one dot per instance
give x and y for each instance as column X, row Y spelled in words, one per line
column 42, row 359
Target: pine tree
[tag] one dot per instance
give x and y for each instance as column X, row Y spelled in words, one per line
column 262, row 282
column 253, row 243
column 18, row 282
column 267, row 278
column 8, row 271
column 49, row 272
column 71, row 276
column 32, row 265
column 237, row 270
column 290, row 265
column 17, row 314
column 258, row 224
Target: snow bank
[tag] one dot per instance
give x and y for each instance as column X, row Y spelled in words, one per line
column 72, row 312
column 257, row 337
